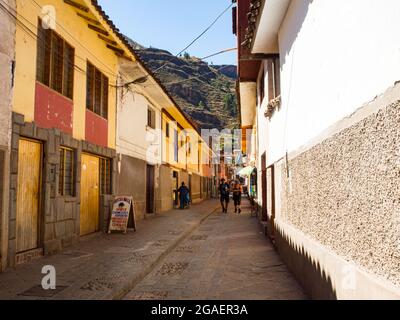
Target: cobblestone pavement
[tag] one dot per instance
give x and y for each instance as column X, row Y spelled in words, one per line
column 226, row 258
column 106, row 266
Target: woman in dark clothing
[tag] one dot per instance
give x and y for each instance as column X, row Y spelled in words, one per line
column 237, row 196
column 183, row 195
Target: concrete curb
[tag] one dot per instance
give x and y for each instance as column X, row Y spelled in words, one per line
column 121, row 292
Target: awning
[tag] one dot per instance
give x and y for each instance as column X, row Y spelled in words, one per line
column 246, row 171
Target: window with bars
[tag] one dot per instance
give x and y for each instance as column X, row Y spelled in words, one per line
column 96, row 91
column 55, row 62
column 105, row 176
column 67, row 172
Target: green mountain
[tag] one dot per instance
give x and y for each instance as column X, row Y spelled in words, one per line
column 205, row 92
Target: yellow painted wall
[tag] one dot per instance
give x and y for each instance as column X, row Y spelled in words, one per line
column 87, row 47
column 186, row 161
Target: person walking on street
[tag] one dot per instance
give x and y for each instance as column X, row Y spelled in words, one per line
column 237, row 196
column 224, row 190
column 183, row 196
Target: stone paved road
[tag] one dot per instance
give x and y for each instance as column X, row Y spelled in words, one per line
column 104, row 266
column 175, row 255
column 226, row 258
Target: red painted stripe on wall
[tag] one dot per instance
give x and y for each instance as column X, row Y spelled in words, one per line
column 96, row 129
column 53, row 110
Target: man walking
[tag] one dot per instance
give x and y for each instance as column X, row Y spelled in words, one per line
column 224, row 190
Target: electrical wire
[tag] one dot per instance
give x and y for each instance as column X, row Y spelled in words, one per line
column 206, row 30
column 192, row 42
column 36, row 36
column 218, row 53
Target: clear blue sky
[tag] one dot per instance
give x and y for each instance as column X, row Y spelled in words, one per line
column 173, row 24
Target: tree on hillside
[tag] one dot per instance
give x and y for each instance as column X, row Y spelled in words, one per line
column 186, row 55
column 230, row 104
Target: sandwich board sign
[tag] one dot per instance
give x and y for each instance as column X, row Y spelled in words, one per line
column 122, row 211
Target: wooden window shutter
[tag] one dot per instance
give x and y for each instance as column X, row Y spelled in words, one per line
column 41, row 53
column 90, row 87
column 57, row 63
column 104, row 104
column 69, row 61
column 97, row 91
column 43, row 65
column 153, row 119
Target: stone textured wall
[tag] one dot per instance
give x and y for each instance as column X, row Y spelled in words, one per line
column 345, row 193
column 60, row 215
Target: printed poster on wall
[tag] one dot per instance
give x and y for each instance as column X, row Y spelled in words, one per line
column 123, row 209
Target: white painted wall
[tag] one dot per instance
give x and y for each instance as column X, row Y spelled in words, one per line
column 335, row 57
column 262, row 126
column 134, row 138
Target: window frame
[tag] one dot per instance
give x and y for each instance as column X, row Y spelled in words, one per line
column 274, row 78
column 151, row 118
column 105, row 183
column 96, row 102
column 62, row 171
column 45, row 62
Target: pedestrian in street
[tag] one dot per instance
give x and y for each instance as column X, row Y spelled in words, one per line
column 224, row 190
column 237, row 196
column 183, row 196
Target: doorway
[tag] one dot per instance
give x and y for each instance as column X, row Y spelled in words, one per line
column 150, row 189
column 175, row 187
column 28, row 195
column 264, row 187
column 90, row 194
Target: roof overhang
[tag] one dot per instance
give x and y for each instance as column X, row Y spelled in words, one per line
column 270, row 18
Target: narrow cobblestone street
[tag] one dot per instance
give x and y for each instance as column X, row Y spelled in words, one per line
column 192, row 254
column 226, row 258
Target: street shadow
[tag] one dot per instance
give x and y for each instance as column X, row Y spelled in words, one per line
column 314, row 279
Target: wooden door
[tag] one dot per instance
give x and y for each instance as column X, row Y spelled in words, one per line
column 150, row 189
column 90, row 194
column 28, row 195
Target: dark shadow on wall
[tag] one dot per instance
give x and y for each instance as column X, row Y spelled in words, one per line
column 298, row 9
column 308, row 272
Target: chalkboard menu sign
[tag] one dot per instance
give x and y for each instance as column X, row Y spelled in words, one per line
column 122, row 211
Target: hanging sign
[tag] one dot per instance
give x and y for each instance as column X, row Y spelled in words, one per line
column 123, row 209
